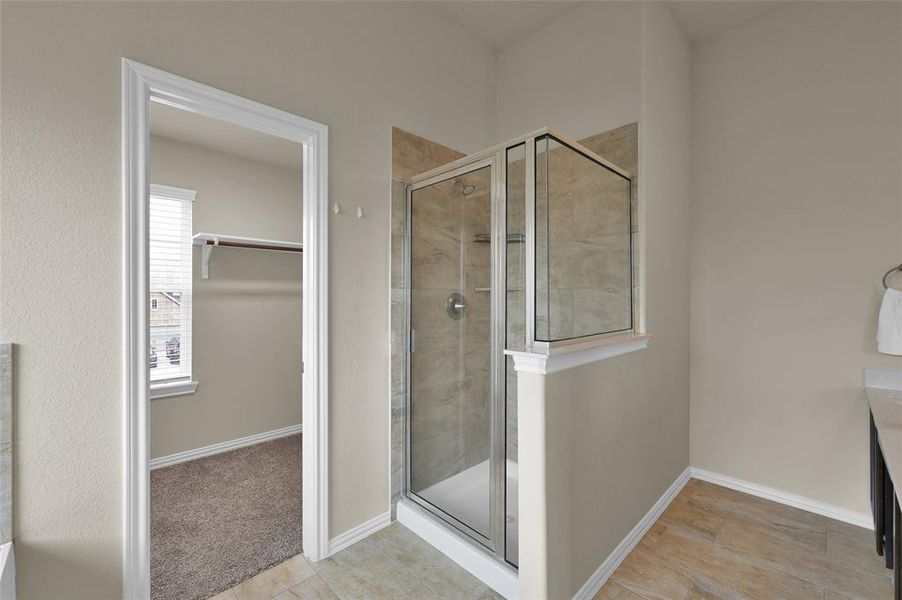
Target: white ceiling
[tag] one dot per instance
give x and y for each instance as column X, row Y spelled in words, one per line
column 704, row 19
column 191, row 128
column 498, row 23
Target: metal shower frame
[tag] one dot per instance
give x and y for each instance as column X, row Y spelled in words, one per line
column 495, row 158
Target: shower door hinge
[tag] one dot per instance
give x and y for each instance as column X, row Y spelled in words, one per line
column 413, row 341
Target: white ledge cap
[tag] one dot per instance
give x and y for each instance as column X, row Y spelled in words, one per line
column 561, row 358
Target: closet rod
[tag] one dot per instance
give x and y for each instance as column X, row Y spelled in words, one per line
column 252, row 245
column 234, row 241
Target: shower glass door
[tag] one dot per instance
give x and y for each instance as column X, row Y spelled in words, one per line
column 451, row 471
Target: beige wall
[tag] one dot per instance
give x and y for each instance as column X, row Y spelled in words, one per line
column 796, row 215
column 579, row 74
column 246, row 338
column 360, row 68
column 618, row 431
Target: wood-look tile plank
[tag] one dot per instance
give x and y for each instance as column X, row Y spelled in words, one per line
column 717, row 543
column 650, row 576
column 737, row 506
column 614, row 591
column 733, row 571
column 712, row 592
column 652, row 536
column 693, row 518
column 853, row 546
column 774, row 550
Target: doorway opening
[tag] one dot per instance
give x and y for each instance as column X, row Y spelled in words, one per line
column 225, row 289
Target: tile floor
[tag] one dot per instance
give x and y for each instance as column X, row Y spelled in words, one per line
column 392, row 564
column 717, row 543
column 711, row 543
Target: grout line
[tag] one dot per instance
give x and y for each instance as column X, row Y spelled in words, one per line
column 627, row 588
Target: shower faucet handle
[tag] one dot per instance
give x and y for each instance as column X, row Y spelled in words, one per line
column 456, row 305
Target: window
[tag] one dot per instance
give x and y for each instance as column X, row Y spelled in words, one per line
column 170, row 226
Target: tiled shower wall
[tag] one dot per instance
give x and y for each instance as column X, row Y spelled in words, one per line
column 458, row 439
column 621, row 147
column 583, row 247
column 449, row 375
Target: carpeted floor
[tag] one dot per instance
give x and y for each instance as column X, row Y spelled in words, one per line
column 219, row 520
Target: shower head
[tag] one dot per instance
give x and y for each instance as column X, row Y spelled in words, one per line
column 465, row 188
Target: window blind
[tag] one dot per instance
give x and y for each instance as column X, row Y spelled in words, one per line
column 170, row 250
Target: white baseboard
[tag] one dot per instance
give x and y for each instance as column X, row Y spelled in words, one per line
column 482, row 565
column 610, row 564
column 257, row 438
column 355, row 534
column 815, row 506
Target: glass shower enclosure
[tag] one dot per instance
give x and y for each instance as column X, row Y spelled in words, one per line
column 522, row 247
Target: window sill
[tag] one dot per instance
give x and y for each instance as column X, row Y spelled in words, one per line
column 561, row 358
column 177, row 388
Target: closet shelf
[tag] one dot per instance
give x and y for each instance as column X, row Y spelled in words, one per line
column 208, row 241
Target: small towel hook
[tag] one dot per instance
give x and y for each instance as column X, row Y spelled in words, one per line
column 888, row 273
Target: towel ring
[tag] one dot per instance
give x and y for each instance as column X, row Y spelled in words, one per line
column 888, row 273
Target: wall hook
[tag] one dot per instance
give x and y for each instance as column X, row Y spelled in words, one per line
column 359, row 213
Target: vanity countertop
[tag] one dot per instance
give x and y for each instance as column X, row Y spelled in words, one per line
column 884, row 389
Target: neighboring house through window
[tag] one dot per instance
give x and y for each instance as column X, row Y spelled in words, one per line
column 170, row 228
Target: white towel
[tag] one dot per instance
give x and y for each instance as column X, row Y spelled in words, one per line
column 889, row 325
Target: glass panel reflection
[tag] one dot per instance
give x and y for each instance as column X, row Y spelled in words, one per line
column 583, row 270
column 450, row 393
